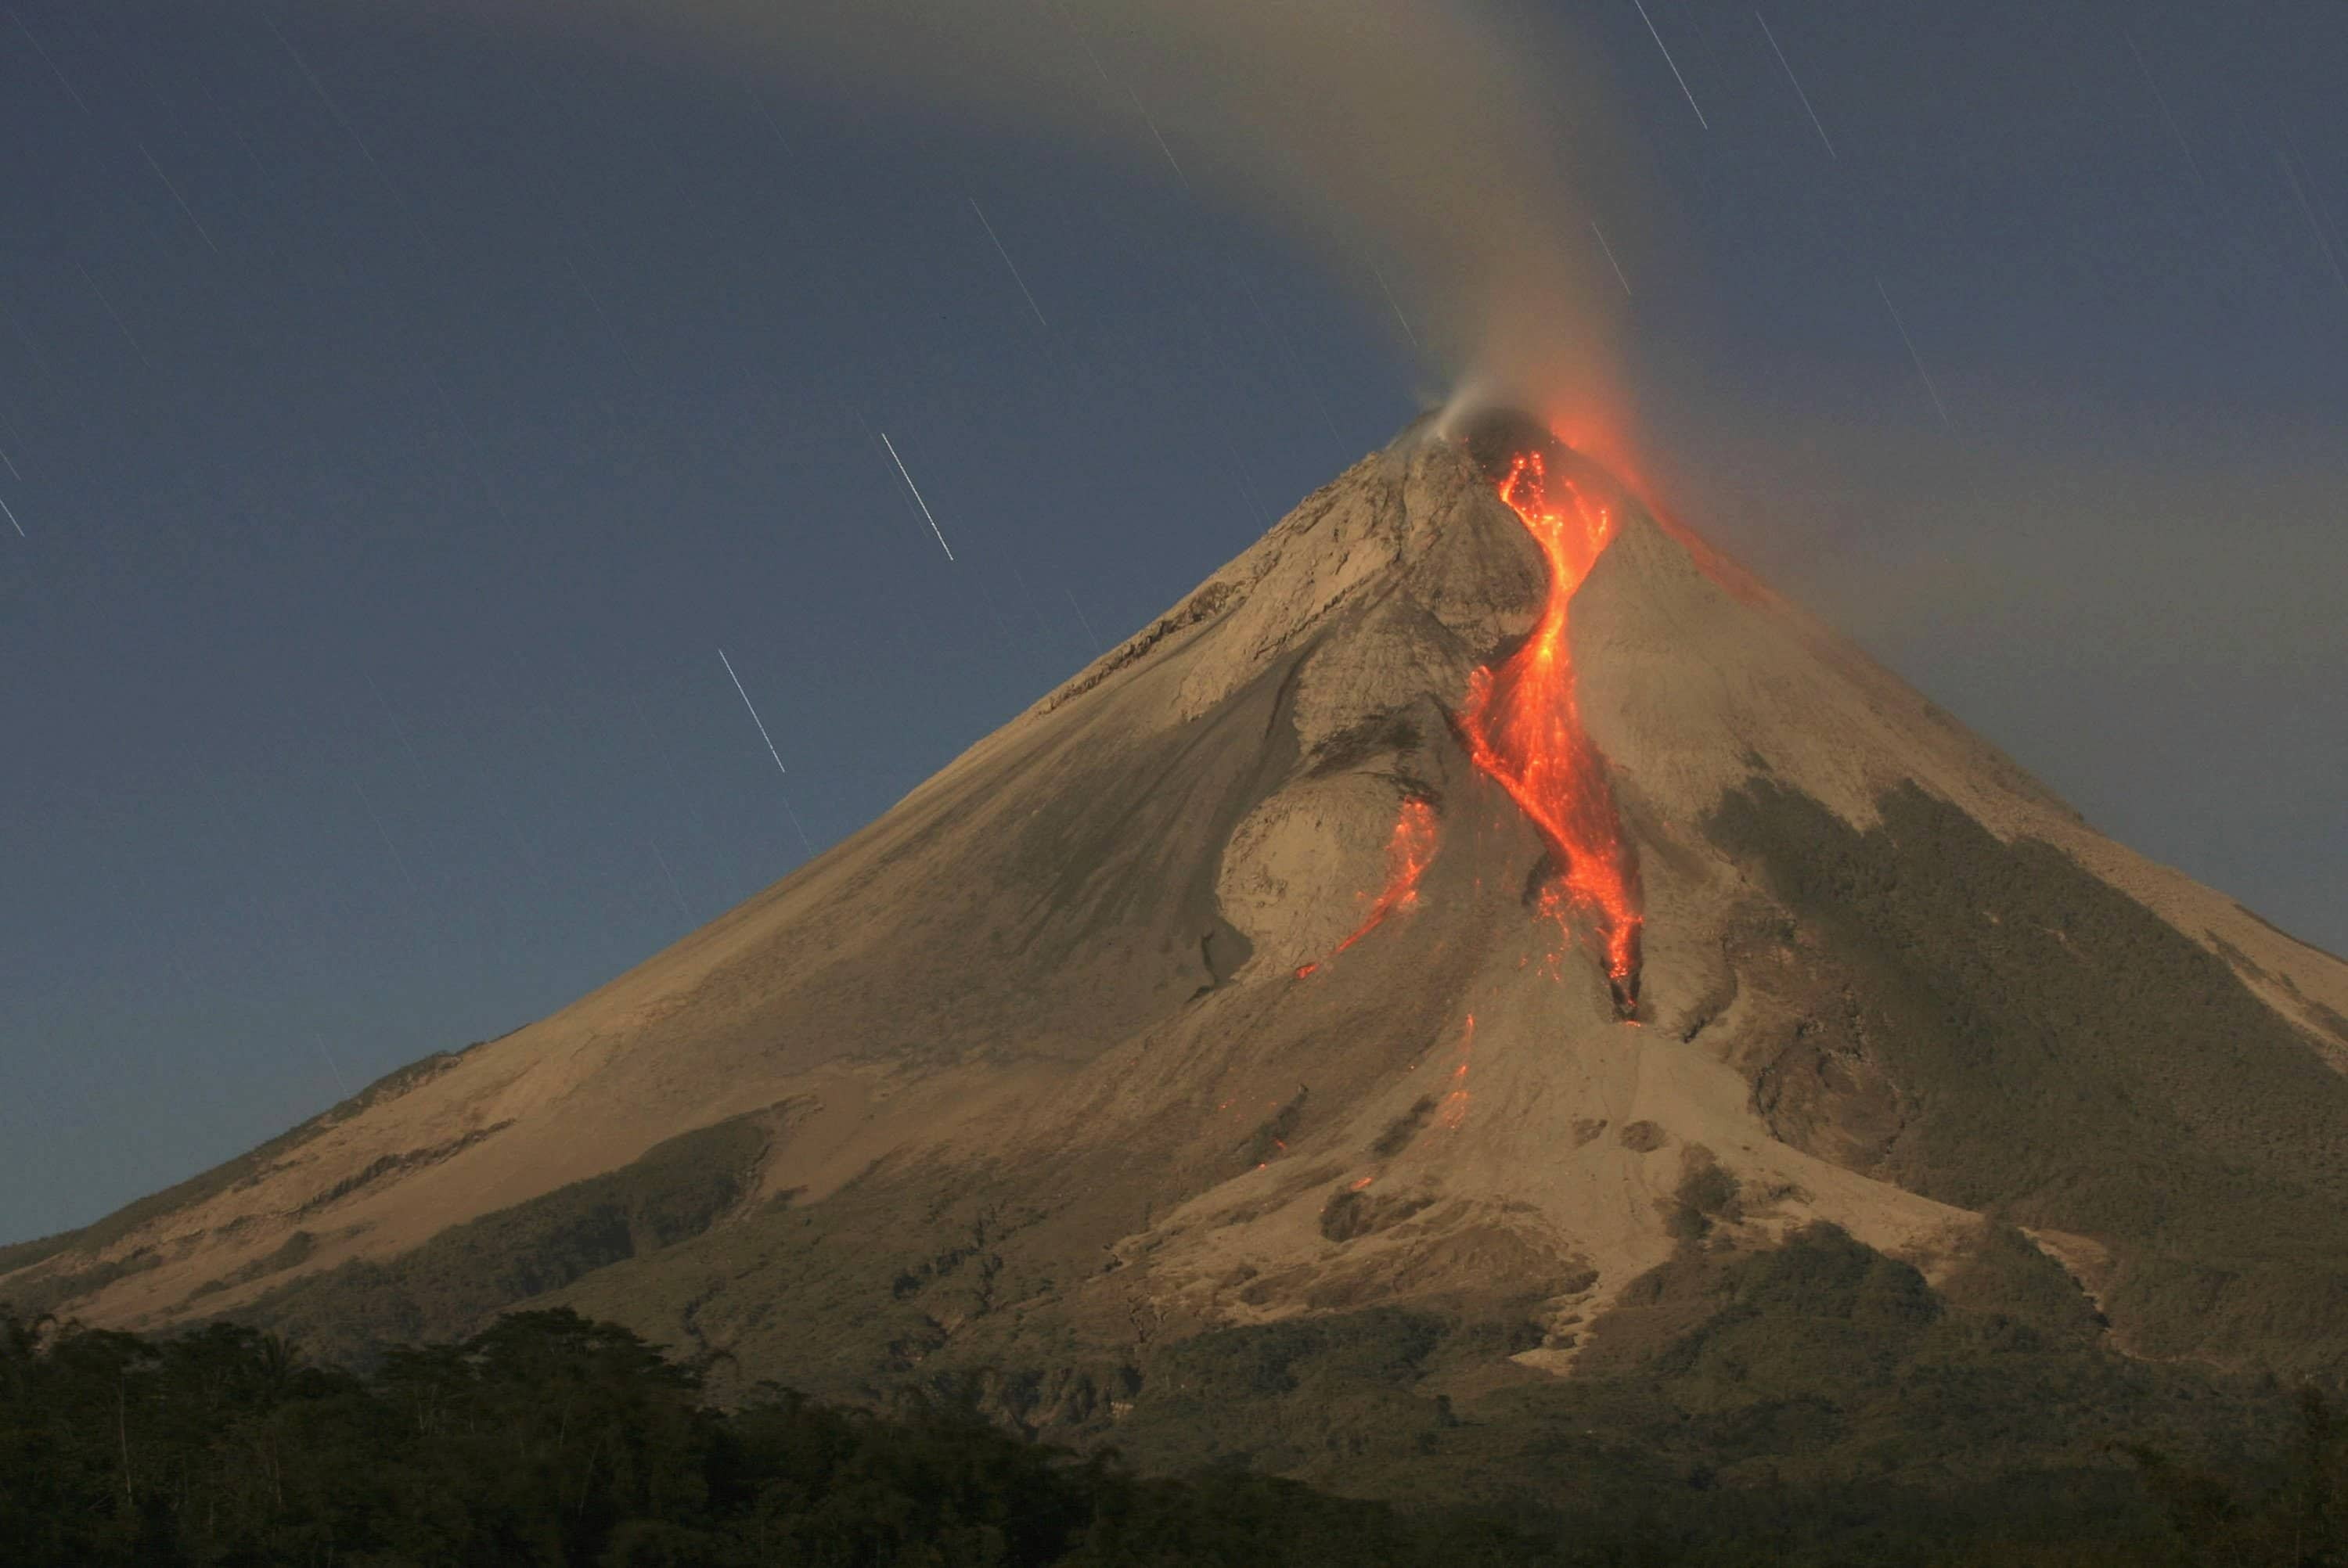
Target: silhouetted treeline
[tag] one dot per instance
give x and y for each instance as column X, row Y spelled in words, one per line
column 550, row 1440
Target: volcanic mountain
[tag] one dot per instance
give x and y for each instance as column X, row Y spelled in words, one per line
column 1479, row 944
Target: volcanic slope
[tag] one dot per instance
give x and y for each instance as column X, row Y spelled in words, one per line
column 1231, row 997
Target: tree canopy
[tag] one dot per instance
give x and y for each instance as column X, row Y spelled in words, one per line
column 551, row 1440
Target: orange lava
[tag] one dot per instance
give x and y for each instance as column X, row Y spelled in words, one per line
column 1408, row 850
column 1523, row 729
column 1454, row 1114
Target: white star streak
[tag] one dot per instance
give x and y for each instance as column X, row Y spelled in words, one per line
column 674, row 891
column 1395, row 307
column 46, row 61
column 1919, row 358
column 13, row 522
column 754, row 714
column 1008, row 262
column 2323, row 243
column 1154, row 131
column 320, row 87
column 1610, row 261
column 2161, row 98
column 1083, row 622
column 1798, row 84
column 917, row 494
column 178, row 198
column 335, row 1067
column 1649, row 21
column 119, row 324
column 384, row 834
column 770, row 748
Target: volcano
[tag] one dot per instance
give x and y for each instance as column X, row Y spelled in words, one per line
column 1478, row 948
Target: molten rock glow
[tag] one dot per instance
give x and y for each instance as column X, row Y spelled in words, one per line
column 1408, row 850
column 1523, row 729
column 1454, row 1114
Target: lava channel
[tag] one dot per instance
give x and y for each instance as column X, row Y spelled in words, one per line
column 1523, row 729
column 1408, row 850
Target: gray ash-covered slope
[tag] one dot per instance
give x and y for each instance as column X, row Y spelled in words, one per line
column 1022, row 1086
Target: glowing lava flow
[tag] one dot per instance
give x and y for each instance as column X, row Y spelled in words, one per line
column 1454, row 1114
column 1408, row 850
column 1523, row 729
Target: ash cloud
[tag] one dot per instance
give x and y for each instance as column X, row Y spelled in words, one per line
column 1421, row 149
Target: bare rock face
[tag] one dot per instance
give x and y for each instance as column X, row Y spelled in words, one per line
column 1215, row 990
column 1425, row 565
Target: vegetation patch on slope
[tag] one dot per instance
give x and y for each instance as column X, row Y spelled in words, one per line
column 242, row 1171
column 2067, row 1059
column 459, row 1280
column 1819, row 1365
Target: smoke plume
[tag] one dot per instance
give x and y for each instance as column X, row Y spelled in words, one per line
column 1418, row 148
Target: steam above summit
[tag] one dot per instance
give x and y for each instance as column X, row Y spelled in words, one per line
column 1444, row 164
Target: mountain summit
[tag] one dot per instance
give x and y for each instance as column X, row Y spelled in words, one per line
column 1479, row 907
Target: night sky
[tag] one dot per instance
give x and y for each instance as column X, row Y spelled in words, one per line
column 400, row 414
